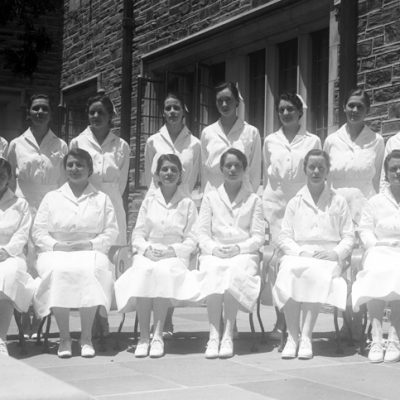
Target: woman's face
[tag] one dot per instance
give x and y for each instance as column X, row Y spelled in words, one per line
column 77, row 170
column 173, row 111
column 4, row 179
column 99, row 117
column 226, row 103
column 169, row 174
column 232, row 169
column 355, row 109
column 393, row 172
column 316, row 170
column 288, row 113
column 39, row 112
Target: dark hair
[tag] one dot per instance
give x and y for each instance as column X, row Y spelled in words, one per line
column 317, row 153
column 82, row 155
column 241, row 156
column 393, row 154
column 172, row 158
column 228, row 85
column 358, row 92
column 103, row 99
column 4, row 164
column 292, row 98
column 38, row 96
column 175, row 96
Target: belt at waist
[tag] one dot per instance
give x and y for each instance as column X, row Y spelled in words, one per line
column 72, row 236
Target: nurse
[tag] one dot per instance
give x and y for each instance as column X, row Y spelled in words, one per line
column 355, row 151
column 284, row 152
column 229, row 131
column 316, row 237
column 164, row 241
column 74, row 228
column 230, row 231
column 110, row 156
column 175, row 138
column 36, row 155
column 16, row 285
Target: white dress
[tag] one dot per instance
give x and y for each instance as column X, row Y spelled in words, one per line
column 110, row 170
column 380, row 235
column 284, row 173
column 16, row 284
column 79, row 278
column 186, row 147
column 38, row 169
column 3, row 147
column 160, row 225
column 311, row 227
column 393, row 143
column 239, row 223
column 355, row 164
column 214, row 143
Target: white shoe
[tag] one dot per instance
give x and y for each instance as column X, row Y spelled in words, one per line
column 156, row 348
column 305, row 349
column 226, row 349
column 3, row 348
column 64, row 348
column 212, row 349
column 375, row 354
column 290, row 349
column 87, row 350
column 142, row 349
column 392, row 353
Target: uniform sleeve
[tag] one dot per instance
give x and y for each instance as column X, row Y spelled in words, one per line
column 380, row 151
column 63, row 176
column 104, row 240
column 20, row 237
column 12, row 159
column 149, row 153
column 141, row 231
column 204, row 157
column 346, row 244
column 255, row 162
column 257, row 230
column 40, row 231
column 124, row 168
column 383, row 182
column 188, row 245
column 266, row 163
column 286, row 236
column 4, row 149
column 367, row 227
column 196, row 168
column 203, row 227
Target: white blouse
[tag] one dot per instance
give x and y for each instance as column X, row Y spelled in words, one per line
column 238, row 223
column 168, row 224
column 380, row 220
column 3, row 147
column 356, row 163
column 327, row 222
column 186, row 147
column 393, row 143
column 110, row 159
column 214, row 143
column 15, row 223
column 62, row 217
column 37, row 168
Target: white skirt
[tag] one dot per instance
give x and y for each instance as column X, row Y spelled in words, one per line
column 168, row 278
column 73, row 280
column 237, row 275
column 309, row 280
column 379, row 278
column 16, row 284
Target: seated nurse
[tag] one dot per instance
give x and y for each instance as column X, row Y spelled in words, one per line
column 230, row 232
column 16, row 285
column 164, row 241
column 316, row 237
column 379, row 280
column 74, row 228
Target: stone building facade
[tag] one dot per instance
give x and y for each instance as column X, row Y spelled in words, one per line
column 266, row 46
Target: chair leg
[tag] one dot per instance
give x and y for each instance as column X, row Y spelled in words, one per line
column 263, row 335
column 136, row 329
column 347, row 322
column 254, row 347
column 21, row 337
column 117, row 346
column 46, row 335
column 339, row 347
column 40, row 330
column 364, row 327
column 283, row 337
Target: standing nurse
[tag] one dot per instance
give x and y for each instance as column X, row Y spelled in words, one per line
column 110, row 156
column 229, row 131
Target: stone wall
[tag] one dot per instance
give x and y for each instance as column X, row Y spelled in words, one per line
column 379, row 61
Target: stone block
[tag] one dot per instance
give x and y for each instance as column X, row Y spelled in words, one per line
column 380, row 77
column 378, row 111
column 394, row 111
column 367, row 64
column 392, row 32
column 387, row 93
column 378, row 41
column 375, row 125
column 386, row 59
column 364, row 48
column 390, row 127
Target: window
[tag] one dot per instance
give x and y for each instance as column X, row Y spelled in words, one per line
column 12, row 113
column 288, row 64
